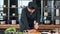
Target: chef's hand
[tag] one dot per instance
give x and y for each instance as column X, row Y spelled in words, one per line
column 36, row 26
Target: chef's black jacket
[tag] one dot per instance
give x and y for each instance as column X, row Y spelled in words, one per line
column 27, row 20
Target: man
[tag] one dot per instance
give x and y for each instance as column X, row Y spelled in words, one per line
column 28, row 16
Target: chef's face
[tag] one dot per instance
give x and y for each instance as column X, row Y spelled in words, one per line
column 31, row 10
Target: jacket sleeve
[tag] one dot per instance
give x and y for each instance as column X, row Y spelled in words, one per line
column 23, row 21
column 38, row 16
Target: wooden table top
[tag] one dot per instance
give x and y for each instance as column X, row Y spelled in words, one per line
column 8, row 25
column 48, row 26
column 40, row 26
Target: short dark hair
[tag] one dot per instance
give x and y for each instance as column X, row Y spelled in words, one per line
column 32, row 5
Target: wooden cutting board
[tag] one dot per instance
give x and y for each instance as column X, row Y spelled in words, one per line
column 34, row 32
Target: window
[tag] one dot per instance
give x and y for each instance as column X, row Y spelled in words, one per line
column 1, row 9
column 11, row 10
